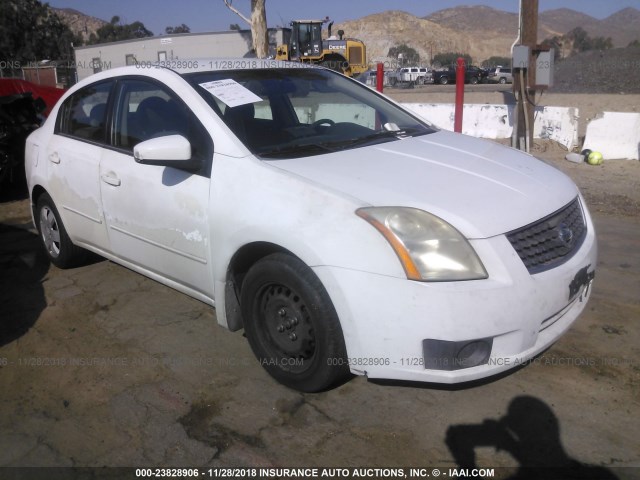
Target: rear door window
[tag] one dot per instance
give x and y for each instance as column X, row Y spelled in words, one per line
column 84, row 114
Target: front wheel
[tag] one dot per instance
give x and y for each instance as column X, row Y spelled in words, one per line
column 503, row 80
column 291, row 324
column 444, row 80
column 60, row 250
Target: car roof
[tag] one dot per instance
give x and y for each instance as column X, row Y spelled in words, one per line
column 189, row 65
column 192, row 65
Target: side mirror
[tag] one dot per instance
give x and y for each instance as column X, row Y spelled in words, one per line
column 39, row 105
column 168, row 151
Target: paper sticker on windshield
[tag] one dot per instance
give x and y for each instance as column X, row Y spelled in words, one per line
column 230, row 92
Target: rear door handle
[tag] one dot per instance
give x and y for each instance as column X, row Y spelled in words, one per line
column 111, row 180
column 54, row 157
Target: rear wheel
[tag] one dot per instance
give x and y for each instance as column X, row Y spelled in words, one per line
column 503, row 80
column 473, row 80
column 291, row 324
column 60, row 250
column 444, row 80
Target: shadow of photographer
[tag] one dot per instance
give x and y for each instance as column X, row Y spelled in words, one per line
column 23, row 266
column 530, row 433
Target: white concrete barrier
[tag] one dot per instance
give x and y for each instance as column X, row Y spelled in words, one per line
column 496, row 121
column 484, row 121
column 557, row 123
column 615, row 135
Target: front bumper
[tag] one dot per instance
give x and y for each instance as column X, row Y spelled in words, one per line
column 385, row 320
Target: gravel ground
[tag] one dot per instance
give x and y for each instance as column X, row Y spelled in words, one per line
column 612, row 188
column 600, row 71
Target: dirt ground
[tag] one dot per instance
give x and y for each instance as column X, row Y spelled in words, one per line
column 100, row 366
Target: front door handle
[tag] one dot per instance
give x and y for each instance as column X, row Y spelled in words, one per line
column 111, row 180
column 54, row 157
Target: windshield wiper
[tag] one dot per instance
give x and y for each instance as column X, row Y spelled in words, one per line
column 300, row 149
column 377, row 137
column 295, row 150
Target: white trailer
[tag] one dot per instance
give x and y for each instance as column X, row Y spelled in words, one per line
column 91, row 59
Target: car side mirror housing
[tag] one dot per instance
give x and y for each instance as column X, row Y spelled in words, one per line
column 168, row 151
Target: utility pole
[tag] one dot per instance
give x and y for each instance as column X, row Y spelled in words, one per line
column 525, row 111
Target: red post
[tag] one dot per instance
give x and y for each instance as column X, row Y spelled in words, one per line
column 380, row 78
column 457, row 125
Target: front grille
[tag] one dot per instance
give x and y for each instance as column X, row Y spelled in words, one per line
column 355, row 55
column 551, row 241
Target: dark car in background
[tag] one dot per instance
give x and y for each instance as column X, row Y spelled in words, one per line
column 472, row 75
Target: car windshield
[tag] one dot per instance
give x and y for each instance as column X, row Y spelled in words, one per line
column 296, row 112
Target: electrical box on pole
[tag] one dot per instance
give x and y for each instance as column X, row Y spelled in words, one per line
column 544, row 68
column 520, row 57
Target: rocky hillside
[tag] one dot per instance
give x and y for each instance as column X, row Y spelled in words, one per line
column 480, row 31
column 477, row 19
column 79, row 23
column 498, row 22
column 557, row 22
column 623, row 27
column 384, row 30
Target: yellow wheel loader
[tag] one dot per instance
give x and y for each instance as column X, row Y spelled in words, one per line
column 345, row 55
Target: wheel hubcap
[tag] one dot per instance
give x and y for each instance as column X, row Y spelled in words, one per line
column 50, row 231
column 287, row 323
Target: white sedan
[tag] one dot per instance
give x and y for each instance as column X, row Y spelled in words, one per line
column 342, row 232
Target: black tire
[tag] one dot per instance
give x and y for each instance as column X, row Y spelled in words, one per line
column 503, row 80
column 444, row 80
column 473, row 80
column 291, row 324
column 57, row 244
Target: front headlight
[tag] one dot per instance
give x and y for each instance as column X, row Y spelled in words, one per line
column 428, row 247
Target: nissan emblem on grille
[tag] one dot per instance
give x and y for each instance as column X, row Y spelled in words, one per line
column 552, row 240
column 565, row 233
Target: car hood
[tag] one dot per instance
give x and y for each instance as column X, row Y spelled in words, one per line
column 480, row 187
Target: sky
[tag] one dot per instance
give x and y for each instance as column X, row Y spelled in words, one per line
column 213, row 15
